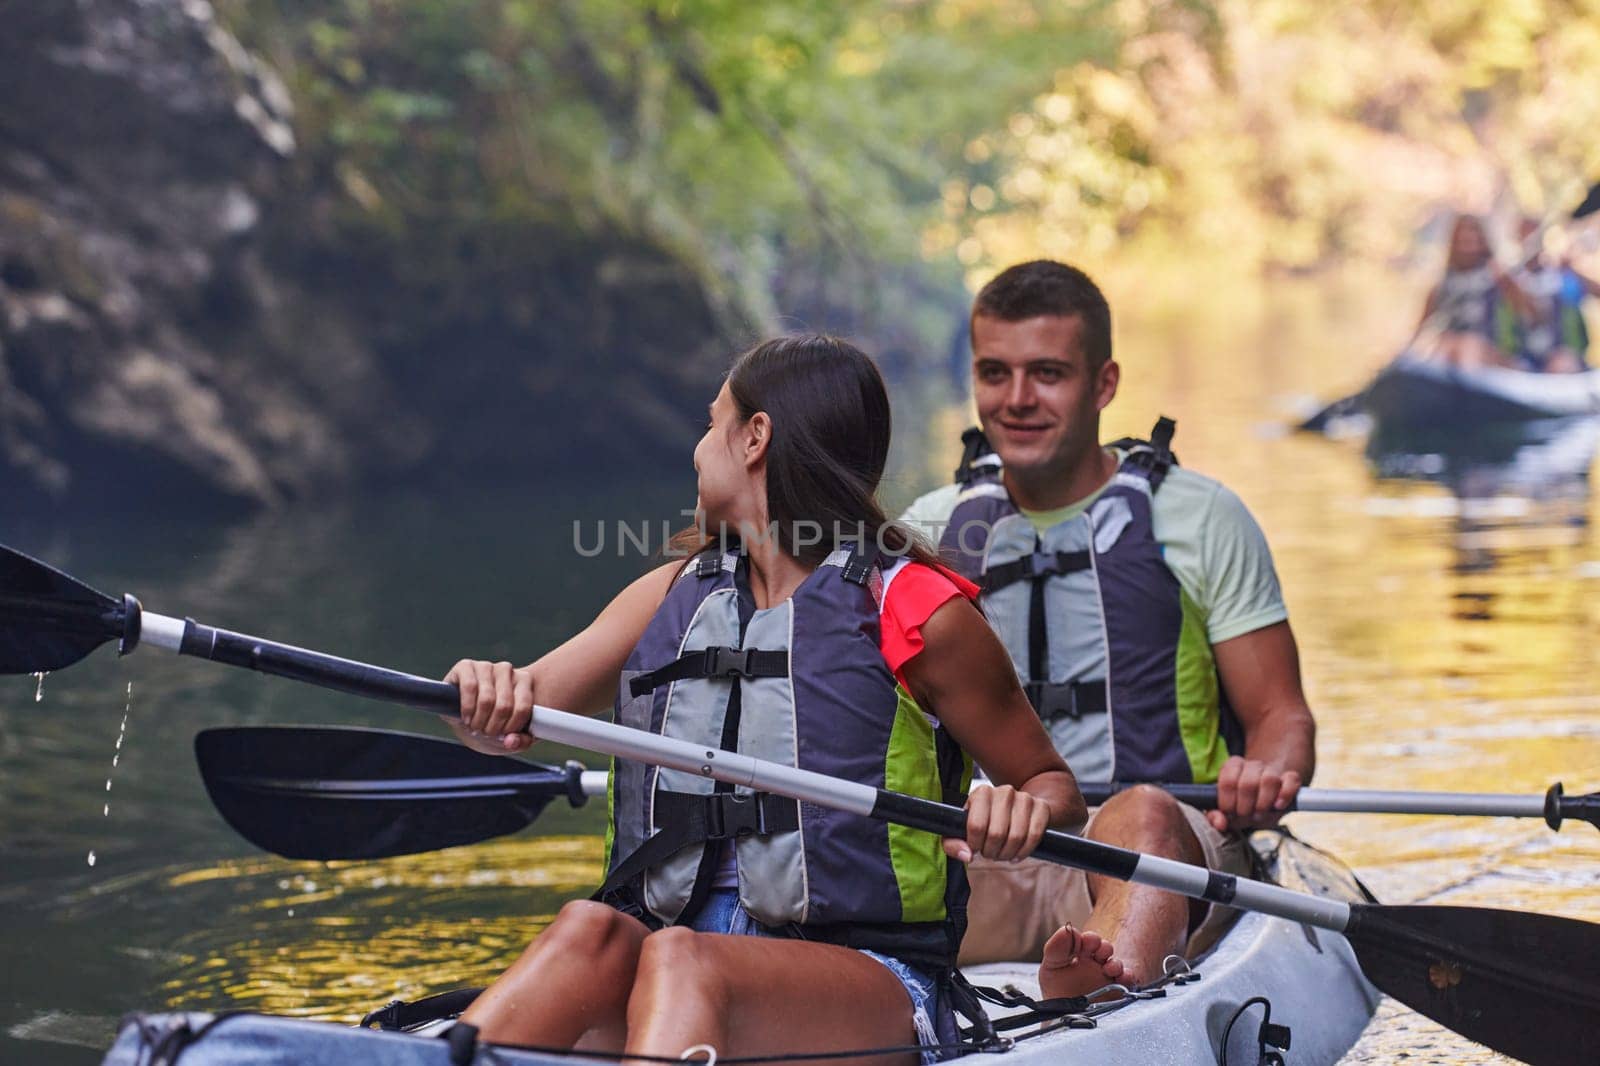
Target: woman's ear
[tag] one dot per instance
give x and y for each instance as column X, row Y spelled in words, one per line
column 758, row 438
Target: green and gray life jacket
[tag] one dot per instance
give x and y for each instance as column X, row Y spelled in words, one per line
column 1557, row 322
column 802, row 683
column 1111, row 651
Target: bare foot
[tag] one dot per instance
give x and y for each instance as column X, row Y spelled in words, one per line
column 1076, row 964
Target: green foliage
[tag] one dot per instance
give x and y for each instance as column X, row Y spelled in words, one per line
column 1290, row 134
column 809, row 138
column 805, row 154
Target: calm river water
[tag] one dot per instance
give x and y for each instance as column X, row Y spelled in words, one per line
column 1446, row 613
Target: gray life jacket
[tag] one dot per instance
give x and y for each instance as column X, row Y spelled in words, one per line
column 802, row 683
column 1112, row 653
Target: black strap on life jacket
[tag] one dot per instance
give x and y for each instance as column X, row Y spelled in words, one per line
column 1038, row 628
column 974, row 446
column 858, row 567
column 688, row 818
column 1153, row 456
column 719, row 662
column 724, row 662
column 1068, row 699
column 1035, row 567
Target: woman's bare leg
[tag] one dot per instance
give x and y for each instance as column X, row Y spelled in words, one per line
column 571, row 981
column 747, row 995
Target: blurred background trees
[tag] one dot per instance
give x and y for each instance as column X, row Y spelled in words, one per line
column 536, row 228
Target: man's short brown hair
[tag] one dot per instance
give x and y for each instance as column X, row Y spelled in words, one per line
column 1045, row 287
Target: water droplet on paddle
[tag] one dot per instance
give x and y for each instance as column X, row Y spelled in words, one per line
column 91, row 858
column 291, row 912
column 116, row 756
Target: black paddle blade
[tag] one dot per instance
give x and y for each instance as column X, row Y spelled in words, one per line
column 1342, row 408
column 1526, row 985
column 1590, row 205
column 336, row 793
column 49, row 620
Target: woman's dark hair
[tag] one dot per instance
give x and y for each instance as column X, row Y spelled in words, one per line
column 830, row 440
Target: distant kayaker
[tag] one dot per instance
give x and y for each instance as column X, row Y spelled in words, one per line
column 1551, row 336
column 1475, row 304
column 805, row 628
column 1141, row 608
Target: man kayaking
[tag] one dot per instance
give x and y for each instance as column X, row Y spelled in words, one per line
column 1551, row 336
column 803, row 628
column 1140, row 606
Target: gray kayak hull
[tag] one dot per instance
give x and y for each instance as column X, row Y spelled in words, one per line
column 1309, row 979
column 1425, row 394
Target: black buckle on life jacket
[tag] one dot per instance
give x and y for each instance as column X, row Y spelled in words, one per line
column 1075, row 699
column 708, row 565
column 729, row 815
column 694, row 818
column 721, row 663
column 730, row 662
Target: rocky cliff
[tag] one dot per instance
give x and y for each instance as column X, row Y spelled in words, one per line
column 178, row 321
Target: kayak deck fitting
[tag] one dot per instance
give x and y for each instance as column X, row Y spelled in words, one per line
column 1267, row 984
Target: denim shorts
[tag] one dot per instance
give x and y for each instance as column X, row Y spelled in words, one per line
column 931, row 1012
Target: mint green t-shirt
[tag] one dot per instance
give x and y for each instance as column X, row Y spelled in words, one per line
column 1208, row 538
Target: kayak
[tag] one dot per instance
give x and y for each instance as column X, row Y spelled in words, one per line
column 1268, row 982
column 1421, row 393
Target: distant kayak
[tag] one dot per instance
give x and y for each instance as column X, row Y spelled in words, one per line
column 1421, row 394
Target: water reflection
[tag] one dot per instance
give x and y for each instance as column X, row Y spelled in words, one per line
column 1518, row 496
column 336, row 940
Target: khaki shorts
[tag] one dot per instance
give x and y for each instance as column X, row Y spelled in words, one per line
column 1016, row 906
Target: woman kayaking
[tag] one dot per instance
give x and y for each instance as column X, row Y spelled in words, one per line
column 1475, row 303
column 803, row 628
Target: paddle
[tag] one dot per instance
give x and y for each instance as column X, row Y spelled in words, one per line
column 48, row 621
column 324, row 792
column 1343, row 407
column 1554, row 806
column 1524, row 984
column 1590, row 205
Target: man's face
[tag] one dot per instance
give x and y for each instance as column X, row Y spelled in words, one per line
column 1037, row 398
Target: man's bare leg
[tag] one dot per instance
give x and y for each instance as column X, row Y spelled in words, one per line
column 1137, row 927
